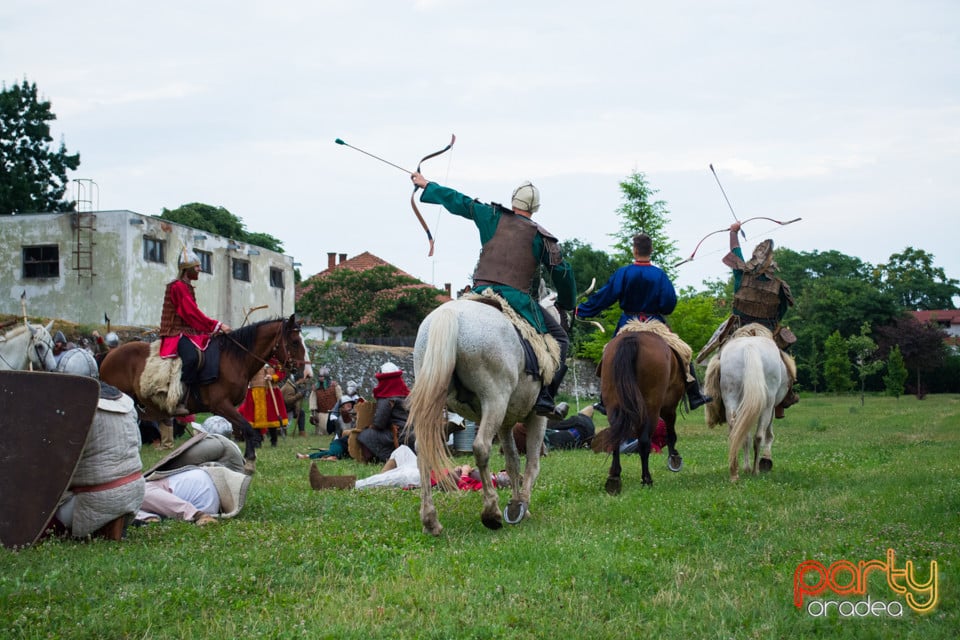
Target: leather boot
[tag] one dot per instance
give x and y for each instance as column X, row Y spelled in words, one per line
column 545, row 404
column 166, row 435
column 695, row 396
column 318, row 481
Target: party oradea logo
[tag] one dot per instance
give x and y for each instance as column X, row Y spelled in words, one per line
column 814, row 584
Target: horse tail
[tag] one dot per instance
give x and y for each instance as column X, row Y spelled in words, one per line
column 753, row 398
column 428, row 398
column 631, row 408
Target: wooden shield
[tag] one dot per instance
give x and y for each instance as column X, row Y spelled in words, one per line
column 43, row 427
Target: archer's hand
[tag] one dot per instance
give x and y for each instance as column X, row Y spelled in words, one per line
column 224, row 328
column 418, row 179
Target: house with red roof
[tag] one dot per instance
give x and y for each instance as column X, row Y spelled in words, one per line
column 947, row 319
column 362, row 262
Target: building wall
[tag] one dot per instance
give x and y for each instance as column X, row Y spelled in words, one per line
column 118, row 281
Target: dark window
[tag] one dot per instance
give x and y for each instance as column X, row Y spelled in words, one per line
column 241, row 270
column 276, row 277
column 41, row 262
column 206, row 260
column 154, row 250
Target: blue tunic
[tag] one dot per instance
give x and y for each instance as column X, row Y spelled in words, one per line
column 641, row 288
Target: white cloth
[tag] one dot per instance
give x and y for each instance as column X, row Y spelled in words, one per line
column 407, row 474
column 181, row 495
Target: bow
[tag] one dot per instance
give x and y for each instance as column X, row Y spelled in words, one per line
column 413, row 200
column 742, row 222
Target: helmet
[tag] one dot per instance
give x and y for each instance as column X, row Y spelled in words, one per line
column 187, row 259
column 112, row 339
column 526, row 197
column 351, row 387
column 59, row 337
column 389, row 367
column 78, row 362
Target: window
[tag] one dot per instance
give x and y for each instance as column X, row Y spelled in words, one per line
column 241, row 270
column 154, row 250
column 206, row 260
column 276, row 277
column 41, row 262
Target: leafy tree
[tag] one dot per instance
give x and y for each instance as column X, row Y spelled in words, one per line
column 638, row 214
column 221, row 222
column 378, row 301
column 864, row 349
column 922, row 345
column 896, row 373
column 696, row 317
column 587, row 263
column 836, row 367
column 916, row 283
column 32, row 177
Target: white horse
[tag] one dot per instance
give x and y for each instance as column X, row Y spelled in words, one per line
column 468, row 357
column 748, row 378
column 27, row 346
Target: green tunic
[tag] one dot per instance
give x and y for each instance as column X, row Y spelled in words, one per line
column 486, row 218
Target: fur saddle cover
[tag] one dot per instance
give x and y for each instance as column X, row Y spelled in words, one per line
column 545, row 347
column 714, row 412
column 160, row 380
column 681, row 348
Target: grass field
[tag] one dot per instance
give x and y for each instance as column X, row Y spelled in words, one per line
column 692, row 557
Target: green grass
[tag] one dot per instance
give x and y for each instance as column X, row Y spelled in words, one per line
column 692, row 557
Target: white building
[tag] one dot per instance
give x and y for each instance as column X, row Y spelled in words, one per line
column 82, row 266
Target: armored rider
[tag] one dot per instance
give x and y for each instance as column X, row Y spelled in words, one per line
column 184, row 329
column 513, row 247
column 760, row 296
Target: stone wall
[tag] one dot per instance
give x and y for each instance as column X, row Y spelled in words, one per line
column 360, row 363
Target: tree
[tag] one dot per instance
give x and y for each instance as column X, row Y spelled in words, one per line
column 639, row 215
column 863, row 349
column 896, row 373
column 218, row 220
column 836, row 367
column 915, row 283
column 922, row 345
column 377, row 301
column 32, row 177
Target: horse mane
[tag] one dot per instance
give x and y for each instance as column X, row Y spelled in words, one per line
column 752, row 329
column 14, row 332
column 240, row 342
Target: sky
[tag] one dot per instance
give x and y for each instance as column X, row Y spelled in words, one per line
column 846, row 114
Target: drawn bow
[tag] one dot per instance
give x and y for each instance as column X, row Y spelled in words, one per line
column 413, row 199
column 742, row 222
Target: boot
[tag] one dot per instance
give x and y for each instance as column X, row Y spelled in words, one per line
column 318, row 481
column 695, row 396
column 545, row 405
column 599, row 407
column 166, row 435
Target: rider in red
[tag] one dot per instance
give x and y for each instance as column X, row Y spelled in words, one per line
column 184, row 329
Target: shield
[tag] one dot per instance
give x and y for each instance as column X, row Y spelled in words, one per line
column 43, row 429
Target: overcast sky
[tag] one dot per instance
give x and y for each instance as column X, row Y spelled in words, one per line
column 844, row 113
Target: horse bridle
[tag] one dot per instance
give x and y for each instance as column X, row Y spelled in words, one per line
column 278, row 351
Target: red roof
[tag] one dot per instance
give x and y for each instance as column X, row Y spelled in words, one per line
column 363, row 262
column 948, row 317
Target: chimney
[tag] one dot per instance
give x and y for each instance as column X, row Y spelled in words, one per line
column 343, row 258
column 446, row 289
column 331, row 260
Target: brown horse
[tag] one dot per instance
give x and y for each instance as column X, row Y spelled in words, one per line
column 641, row 379
column 242, row 353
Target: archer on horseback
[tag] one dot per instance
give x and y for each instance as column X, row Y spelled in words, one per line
column 645, row 293
column 185, row 331
column 513, row 247
column 760, row 296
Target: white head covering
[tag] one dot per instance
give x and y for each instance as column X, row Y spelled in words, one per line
column 526, row 197
column 389, row 367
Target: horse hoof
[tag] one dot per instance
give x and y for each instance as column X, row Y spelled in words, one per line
column 613, row 486
column 514, row 512
column 675, row 462
column 766, row 465
column 648, row 482
column 492, row 522
column 249, row 467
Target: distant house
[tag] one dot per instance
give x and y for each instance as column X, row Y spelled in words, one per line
column 80, row 266
column 948, row 320
column 361, row 262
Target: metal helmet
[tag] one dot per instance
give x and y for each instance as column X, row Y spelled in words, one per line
column 112, row 340
column 187, row 259
column 526, row 197
column 59, row 337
